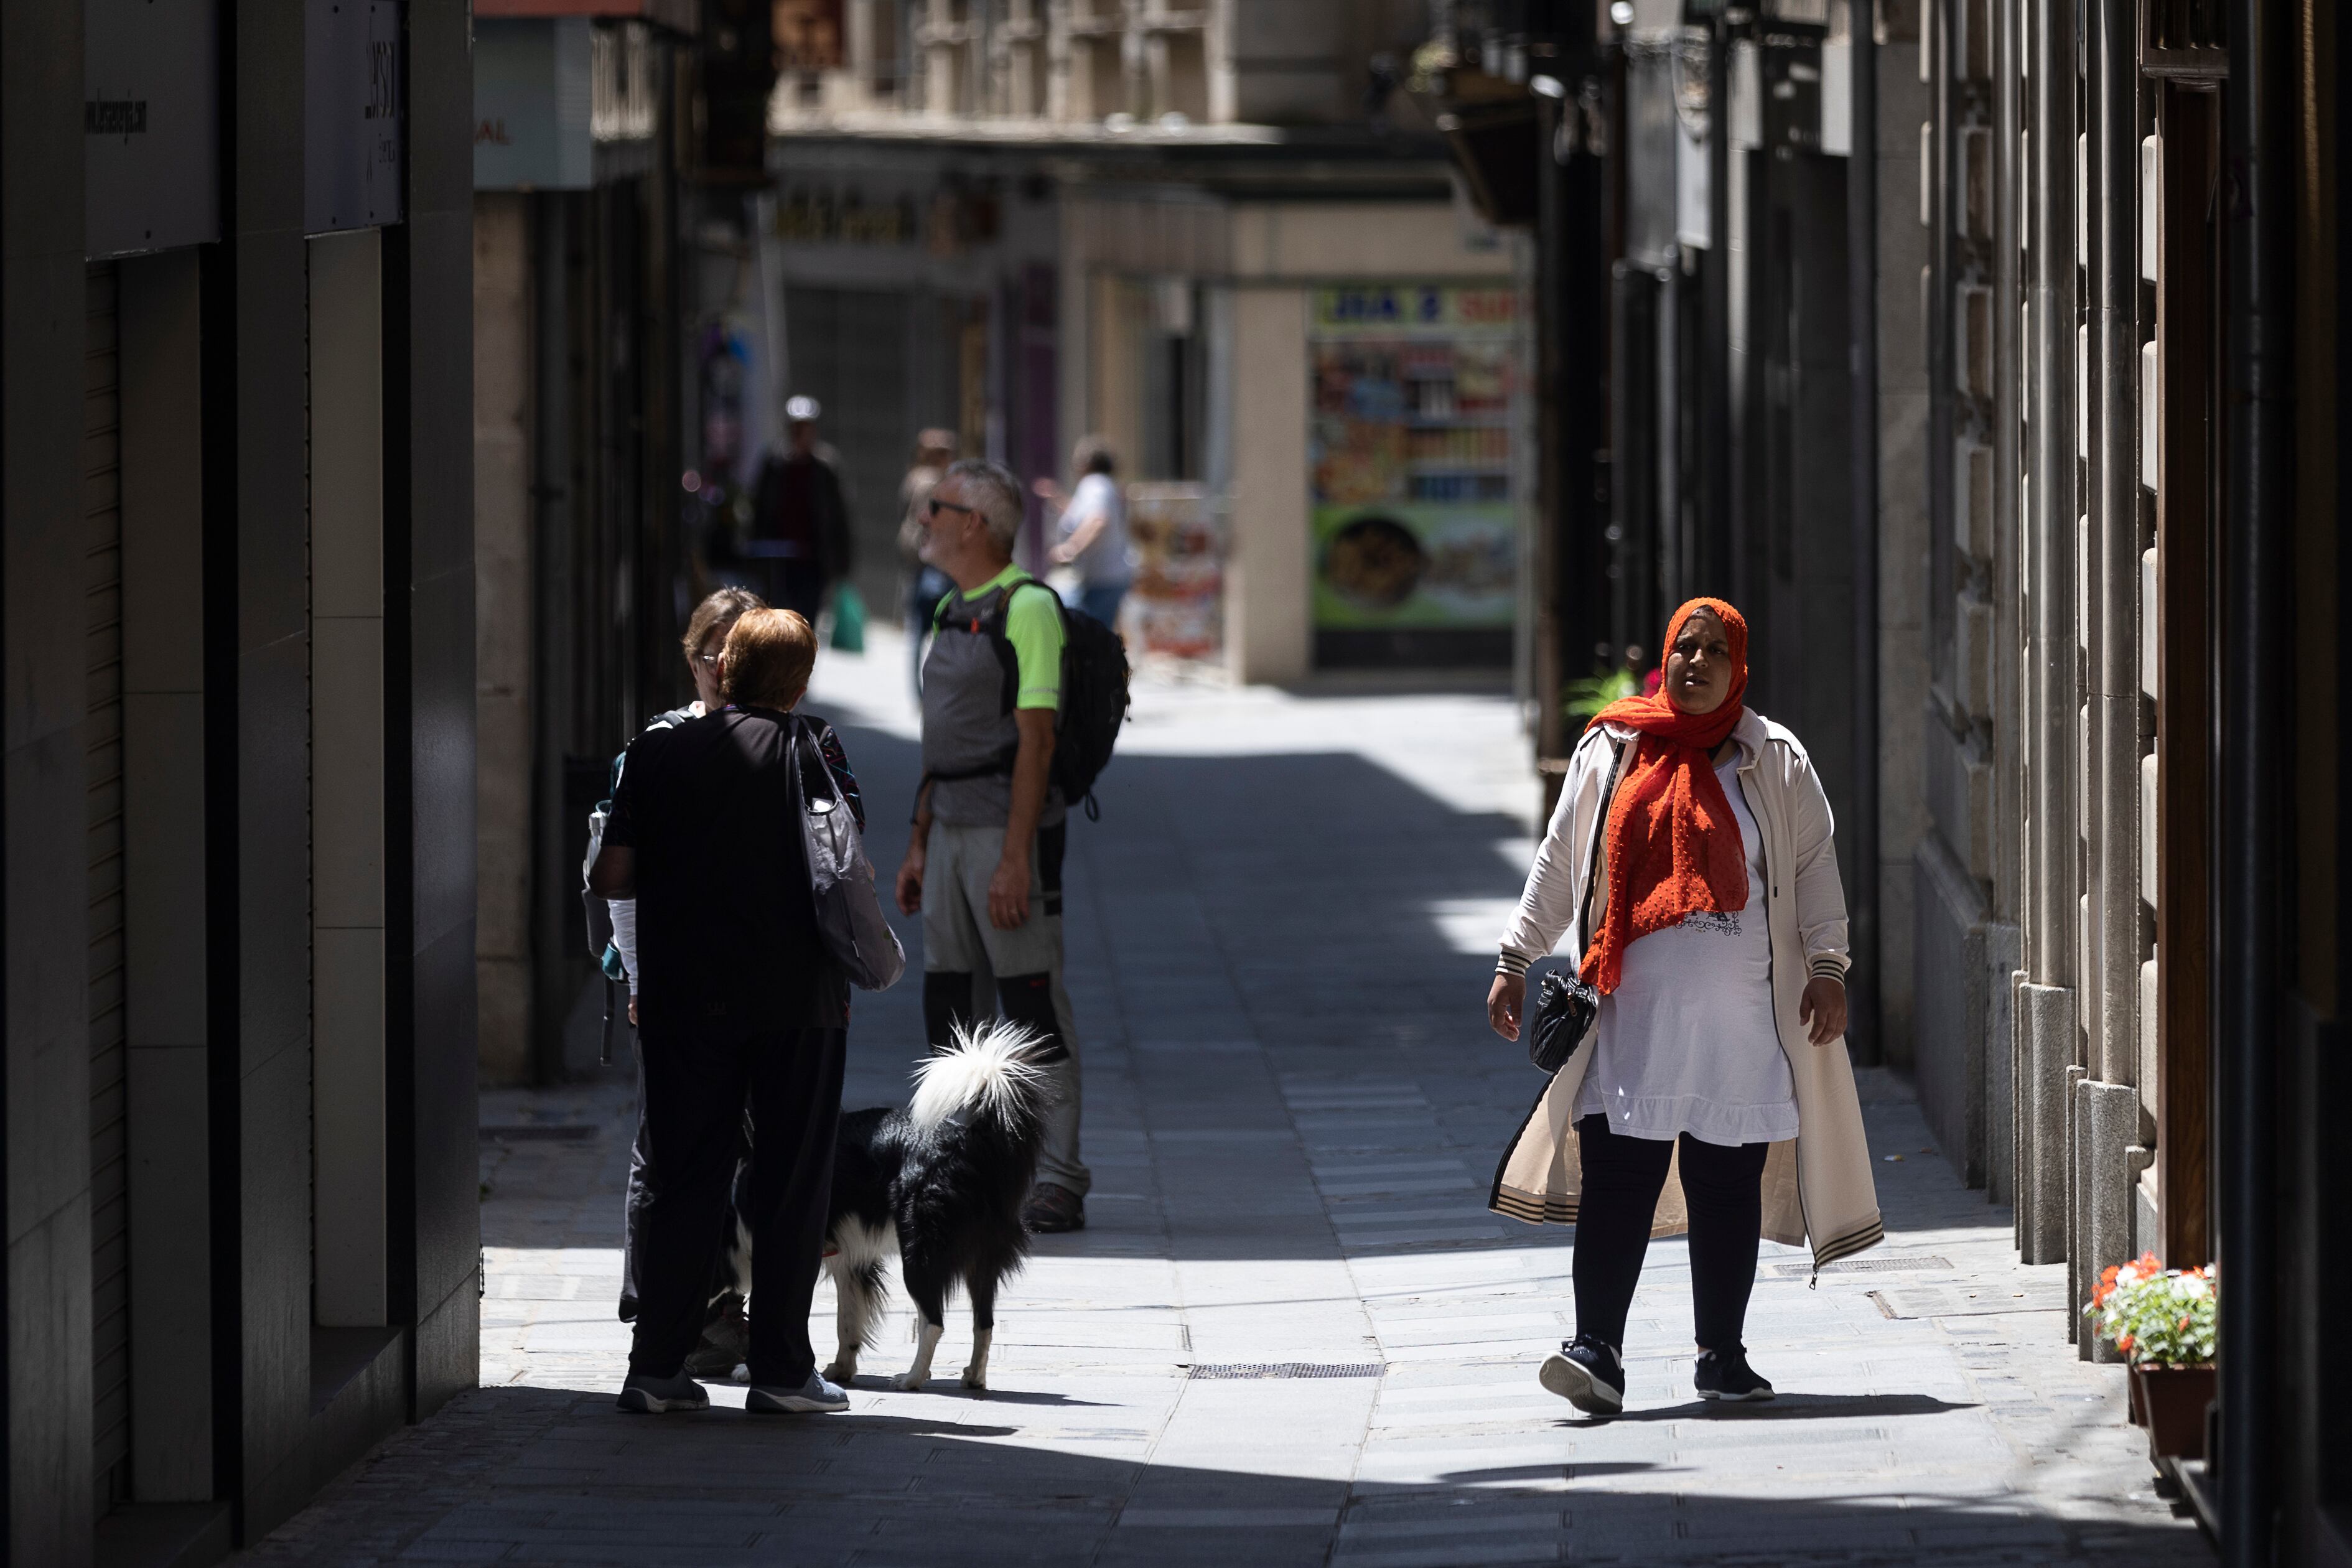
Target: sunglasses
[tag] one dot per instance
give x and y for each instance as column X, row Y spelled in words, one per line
column 939, row 506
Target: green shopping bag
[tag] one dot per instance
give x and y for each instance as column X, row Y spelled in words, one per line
column 848, row 618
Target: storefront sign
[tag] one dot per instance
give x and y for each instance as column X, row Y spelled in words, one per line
column 534, row 104
column 1390, row 310
column 1414, row 525
column 353, row 55
column 820, row 215
column 151, row 125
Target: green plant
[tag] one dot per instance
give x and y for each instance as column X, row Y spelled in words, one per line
column 2156, row 1316
column 1583, row 699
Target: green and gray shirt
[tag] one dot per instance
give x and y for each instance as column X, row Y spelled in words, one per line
column 969, row 697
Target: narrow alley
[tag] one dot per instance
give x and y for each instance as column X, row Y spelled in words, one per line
column 1290, row 1332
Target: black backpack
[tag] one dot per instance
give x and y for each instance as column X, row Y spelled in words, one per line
column 1095, row 699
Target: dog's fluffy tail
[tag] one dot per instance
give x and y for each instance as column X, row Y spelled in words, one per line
column 989, row 1071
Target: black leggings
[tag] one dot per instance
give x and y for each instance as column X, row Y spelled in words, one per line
column 1622, row 1178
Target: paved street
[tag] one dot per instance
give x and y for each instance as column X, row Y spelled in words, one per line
column 1290, row 1333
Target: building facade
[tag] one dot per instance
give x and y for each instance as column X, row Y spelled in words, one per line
column 580, row 181
column 2029, row 311
column 243, row 1233
column 1220, row 235
column 2134, row 704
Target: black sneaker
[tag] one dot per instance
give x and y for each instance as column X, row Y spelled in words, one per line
column 1050, row 1210
column 645, row 1394
column 1588, row 1374
column 1725, row 1374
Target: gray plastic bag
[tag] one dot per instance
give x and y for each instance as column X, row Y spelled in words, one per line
column 849, row 915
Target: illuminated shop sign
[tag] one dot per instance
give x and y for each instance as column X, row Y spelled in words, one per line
column 1392, row 308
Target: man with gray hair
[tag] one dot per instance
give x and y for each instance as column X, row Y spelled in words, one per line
column 984, row 861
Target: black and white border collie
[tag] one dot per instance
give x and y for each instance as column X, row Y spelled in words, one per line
column 941, row 1183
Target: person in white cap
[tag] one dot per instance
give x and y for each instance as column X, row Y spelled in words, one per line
column 800, row 541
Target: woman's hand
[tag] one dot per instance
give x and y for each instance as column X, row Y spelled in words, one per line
column 1507, row 999
column 1823, row 1009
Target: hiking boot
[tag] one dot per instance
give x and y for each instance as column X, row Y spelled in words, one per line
column 816, row 1396
column 1051, row 1210
column 1588, row 1374
column 1725, row 1374
column 726, row 1342
column 642, row 1394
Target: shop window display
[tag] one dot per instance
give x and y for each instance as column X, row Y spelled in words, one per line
column 1413, row 522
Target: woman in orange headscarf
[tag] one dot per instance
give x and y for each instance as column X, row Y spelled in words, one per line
column 1713, row 1075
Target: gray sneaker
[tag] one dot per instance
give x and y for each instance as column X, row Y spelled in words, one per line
column 645, row 1394
column 814, row 1397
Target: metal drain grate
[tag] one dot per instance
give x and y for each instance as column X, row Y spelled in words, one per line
column 541, row 1132
column 1249, row 1369
column 1894, row 1265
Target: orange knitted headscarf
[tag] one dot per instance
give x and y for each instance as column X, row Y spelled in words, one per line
column 1674, row 845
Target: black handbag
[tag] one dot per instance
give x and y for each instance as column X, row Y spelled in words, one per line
column 1565, row 1005
column 1565, row 1008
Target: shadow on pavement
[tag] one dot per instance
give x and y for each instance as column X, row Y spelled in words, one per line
column 522, row 1474
column 947, row 1387
column 1793, row 1405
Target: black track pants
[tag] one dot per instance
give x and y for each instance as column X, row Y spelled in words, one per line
column 696, row 1092
column 1723, row 1188
column 640, row 1194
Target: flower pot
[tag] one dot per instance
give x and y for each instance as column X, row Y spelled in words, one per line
column 2170, row 1401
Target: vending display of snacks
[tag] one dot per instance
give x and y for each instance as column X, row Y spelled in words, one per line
column 1411, row 461
column 1176, row 604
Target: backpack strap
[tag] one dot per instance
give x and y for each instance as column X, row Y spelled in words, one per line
column 991, row 624
column 1061, row 614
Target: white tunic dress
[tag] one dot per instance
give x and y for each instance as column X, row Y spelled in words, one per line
column 1686, row 1042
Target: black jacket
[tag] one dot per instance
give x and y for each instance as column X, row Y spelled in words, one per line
column 827, row 495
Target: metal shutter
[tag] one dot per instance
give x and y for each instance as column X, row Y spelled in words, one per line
column 109, row 1275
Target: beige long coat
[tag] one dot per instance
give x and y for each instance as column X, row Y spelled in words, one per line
column 1818, row 1187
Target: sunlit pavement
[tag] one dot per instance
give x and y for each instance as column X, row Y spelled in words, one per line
column 1290, row 1332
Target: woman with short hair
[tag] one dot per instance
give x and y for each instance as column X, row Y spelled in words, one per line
column 1715, row 1072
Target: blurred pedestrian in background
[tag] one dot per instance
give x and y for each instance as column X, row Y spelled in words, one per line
column 1692, row 834
column 799, row 518
column 1091, row 537
column 984, row 861
column 926, row 584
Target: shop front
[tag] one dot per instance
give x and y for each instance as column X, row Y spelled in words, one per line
column 1414, row 524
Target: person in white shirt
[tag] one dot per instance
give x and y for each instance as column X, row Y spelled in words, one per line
column 1092, row 535
column 1713, row 1093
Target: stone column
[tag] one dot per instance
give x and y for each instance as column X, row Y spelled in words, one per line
column 502, row 630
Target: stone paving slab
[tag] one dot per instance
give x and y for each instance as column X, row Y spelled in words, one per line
column 1278, row 935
